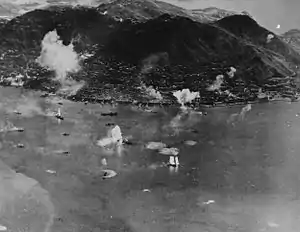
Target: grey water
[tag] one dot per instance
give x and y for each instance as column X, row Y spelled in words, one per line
column 241, row 175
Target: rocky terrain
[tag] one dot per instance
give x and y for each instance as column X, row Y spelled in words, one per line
column 292, row 37
column 158, row 44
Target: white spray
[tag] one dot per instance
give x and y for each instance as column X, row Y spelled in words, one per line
column 114, row 136
column 241, row 115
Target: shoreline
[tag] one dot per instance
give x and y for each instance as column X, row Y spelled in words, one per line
column 151, row 103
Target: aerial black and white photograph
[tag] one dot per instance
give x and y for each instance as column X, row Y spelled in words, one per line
column 149, row 115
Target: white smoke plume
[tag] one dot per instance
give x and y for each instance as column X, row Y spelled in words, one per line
column 58, row 57
column 183, row 121
column 148, row 65
column 151, row 61
column 217, row 83
column 61, row 59
column 231, row 72
column 269, row 38
column 185, row 96
column 151, row 92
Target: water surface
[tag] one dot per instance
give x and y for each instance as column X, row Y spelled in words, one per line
column 249, row 167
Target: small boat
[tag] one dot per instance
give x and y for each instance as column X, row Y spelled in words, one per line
column 111, row 114
column 58, row 115
column 107, row 173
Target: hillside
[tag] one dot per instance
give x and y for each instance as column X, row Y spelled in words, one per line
column 292, row 37
column 184, row 48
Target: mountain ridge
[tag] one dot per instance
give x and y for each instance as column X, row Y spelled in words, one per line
column 184, row 50
column 292, row 37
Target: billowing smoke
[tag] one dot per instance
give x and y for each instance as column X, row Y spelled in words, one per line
column 152, row 61
column 269, row 38
column 231, row 72
column 217, row 83
column 185, row 96
column 153, row 93
column 61, row 59
column 58, row 57
column 148, row 65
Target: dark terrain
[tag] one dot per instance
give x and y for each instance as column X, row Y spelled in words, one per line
column 182, row 48
column 241, row 173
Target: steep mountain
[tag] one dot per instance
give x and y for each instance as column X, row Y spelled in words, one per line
column 140, row 10
column 156, row 43
column 292, row 37
column 213, row 13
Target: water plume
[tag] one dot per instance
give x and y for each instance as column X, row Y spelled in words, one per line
column 176, row 123
column 62, row 59
column 241, row 115
column 114, row 136
column 183, row 121
column 185, row 96
column 244, row 110
column 8, row 126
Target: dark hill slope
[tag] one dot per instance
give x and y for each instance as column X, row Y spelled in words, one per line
column 182, row 51
column 292, row 37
